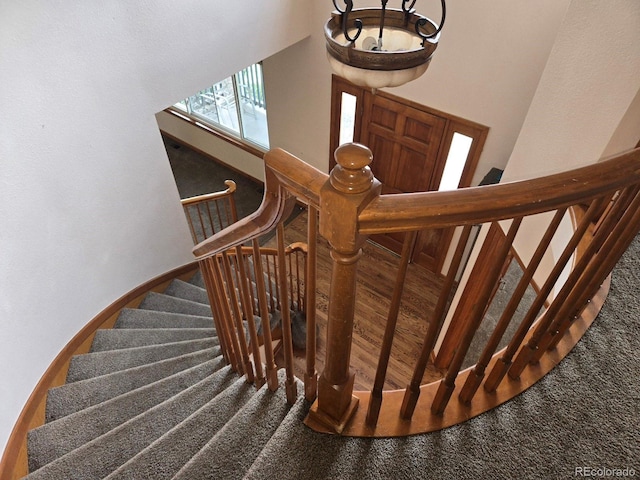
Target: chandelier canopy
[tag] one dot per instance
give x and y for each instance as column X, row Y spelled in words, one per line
column 380, row 47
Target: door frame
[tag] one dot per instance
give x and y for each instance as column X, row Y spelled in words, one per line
column 454, row 124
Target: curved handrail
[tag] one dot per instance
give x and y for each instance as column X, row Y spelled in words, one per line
column 231, row 188
column 404, row 212
column 351, row 208
column 286, row 177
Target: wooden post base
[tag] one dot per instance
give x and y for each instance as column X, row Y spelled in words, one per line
column 322, row 422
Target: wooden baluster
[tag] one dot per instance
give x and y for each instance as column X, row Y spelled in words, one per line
column 392, row 318
column 276, row 282
column 290, row 384
column 501, row 251
column 220, row 217
column 273, row 280
column 504, row 362
column 237, row 315
column 477, row 375
column 350, row 187
column 600, row 267
column 187, row 213
column 247, row 307
column 298, row 254
column 311, row 375
column 527, row 352
column 585, row 269
column 225, row 319
column 271, row 368
column 232, row 206
column 210, row 217
column 202, row 228
column 412, row 391
column 207, row 274
column 272, row 307
column 290, row 278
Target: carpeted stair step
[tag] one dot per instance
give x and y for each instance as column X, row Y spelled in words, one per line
column 101, row 456
column 54, row 439
column 164, row 457
column 285, row 443
column 73, row 397
column 167, row 303
column 232, row 451
column 117, row 339
column 187, row 291
column 136, row 318
column 100, row 363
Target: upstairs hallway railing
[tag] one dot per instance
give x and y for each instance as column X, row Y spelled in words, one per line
column 601, row 201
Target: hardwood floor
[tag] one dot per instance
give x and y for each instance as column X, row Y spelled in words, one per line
column 377, row 270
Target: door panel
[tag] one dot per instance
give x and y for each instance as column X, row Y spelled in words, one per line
column 405, row 143
column 410, row 144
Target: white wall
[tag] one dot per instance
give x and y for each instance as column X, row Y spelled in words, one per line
column 589, row 83
column 486, row 69
column 585, row 104
column 88, row 205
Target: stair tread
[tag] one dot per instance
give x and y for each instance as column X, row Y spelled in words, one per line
column 99, row 363
column 286, row 441
column 54, row 439
column 72, row 397
column 167, row 303
column 164, row 457
column 136, row 318
column 187, row 291
column 106, row 453
column 117, row 339
column 247, row 432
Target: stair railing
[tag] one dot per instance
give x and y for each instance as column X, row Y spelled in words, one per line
column 208, row 214
column 601, row 202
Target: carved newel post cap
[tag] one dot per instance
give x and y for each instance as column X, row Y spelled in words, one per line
column 352, row 173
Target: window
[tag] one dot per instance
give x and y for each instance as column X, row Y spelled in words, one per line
column 235, row 106
column 456, row 161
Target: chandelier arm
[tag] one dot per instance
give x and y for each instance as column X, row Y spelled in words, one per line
column 408, row 9
column 357, row 23
column 337, row 7
column 423, row 21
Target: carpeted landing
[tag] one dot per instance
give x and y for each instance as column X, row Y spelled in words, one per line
column 154, row 400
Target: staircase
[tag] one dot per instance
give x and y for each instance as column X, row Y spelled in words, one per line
column 172, row 410
column 155, row 399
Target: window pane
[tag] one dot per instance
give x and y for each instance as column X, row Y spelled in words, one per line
column 225, row 102
column 182, row 105
column 347, row 117
column 203, row 104
column 456, row 160
column 253, row 111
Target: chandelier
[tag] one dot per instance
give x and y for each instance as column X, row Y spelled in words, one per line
column 380, row 47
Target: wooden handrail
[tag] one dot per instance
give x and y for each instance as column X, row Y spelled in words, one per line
column 231, row 188
column 350, row 207
column 286, row 177
column 405, row 212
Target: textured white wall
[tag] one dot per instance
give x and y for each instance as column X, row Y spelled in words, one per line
column 588, row 85
column 88, row 205
column 586, row 95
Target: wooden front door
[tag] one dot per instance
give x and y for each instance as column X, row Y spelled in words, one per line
column 410, row 145
column 405, row 143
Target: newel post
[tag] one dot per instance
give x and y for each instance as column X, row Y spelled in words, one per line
column 351, row 186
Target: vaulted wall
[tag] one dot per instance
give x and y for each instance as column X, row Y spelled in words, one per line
column 88, row 205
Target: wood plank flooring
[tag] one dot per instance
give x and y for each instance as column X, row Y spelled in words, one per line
column 377, row 270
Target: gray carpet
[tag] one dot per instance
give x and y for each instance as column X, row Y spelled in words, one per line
column 138, row 409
